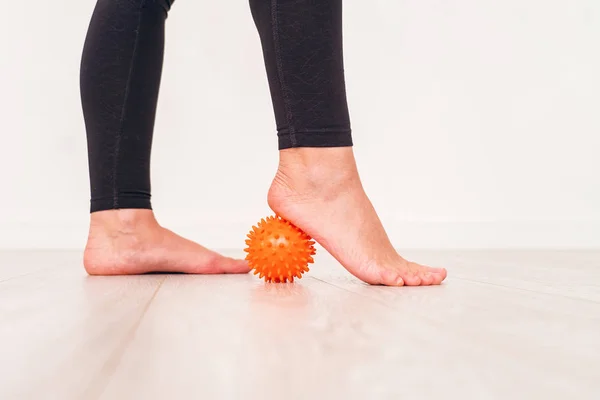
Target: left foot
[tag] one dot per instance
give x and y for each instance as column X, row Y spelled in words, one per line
column 319, row 191
column 130, row 242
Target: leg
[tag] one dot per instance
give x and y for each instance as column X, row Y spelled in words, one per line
column 317, row 186
column 120, row 77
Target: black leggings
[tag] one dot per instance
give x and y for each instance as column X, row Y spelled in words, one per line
column 120, row 78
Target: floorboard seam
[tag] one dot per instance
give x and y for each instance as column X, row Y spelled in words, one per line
column 21, row 276
column 526, row 290
column 424, row 317
column 97, row 387
column 357, row 294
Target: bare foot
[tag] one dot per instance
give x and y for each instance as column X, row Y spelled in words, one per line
column 127, row 242
column 319, row 191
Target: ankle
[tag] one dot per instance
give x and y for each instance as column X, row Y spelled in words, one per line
column 318, row 158
column 122, row 221
column 306, row 174
column 318, row 165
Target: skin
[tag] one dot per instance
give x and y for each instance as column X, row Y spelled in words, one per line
column 317, row 189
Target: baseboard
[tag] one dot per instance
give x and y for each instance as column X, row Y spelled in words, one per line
column 230, row 234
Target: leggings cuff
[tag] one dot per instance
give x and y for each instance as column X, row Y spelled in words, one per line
column 121, row 201
column 314, row 139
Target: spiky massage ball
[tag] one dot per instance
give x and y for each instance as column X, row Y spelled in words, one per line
column 278, row 250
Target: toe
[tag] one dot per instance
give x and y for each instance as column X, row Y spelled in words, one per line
column 437, row 274
column 426, row 279
column 412, row 280
column 406, row 274
column 390, row 277
column 436, row 270
column 233, row 266
column 439, row 277
column 443, row 273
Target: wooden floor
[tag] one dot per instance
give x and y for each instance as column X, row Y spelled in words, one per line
column 505, row 325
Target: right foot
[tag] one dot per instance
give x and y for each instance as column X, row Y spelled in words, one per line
column 130, row 242
column 320, row 192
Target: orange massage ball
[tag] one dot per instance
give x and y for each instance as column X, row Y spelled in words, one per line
column 278, row 250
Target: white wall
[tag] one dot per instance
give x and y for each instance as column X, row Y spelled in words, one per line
column 476, row 123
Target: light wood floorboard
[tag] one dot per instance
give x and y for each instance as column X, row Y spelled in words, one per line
column 505, row 324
